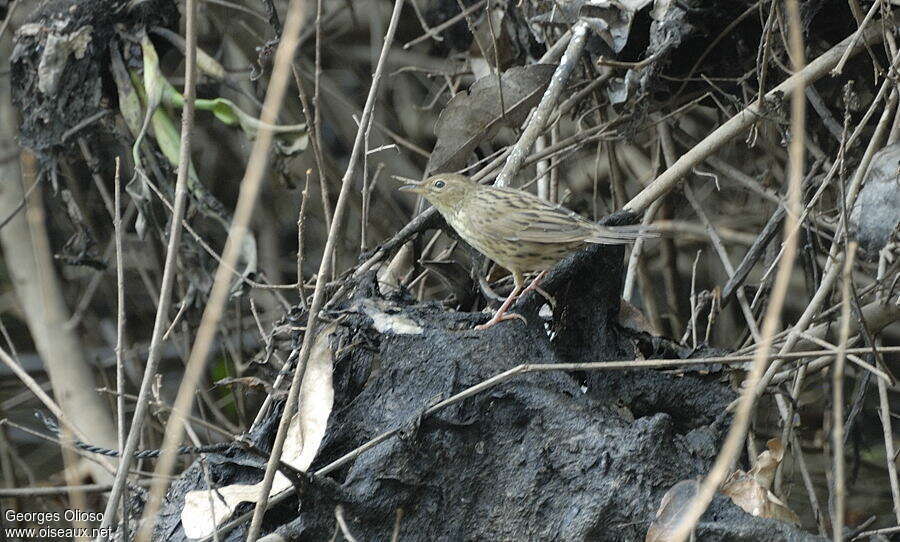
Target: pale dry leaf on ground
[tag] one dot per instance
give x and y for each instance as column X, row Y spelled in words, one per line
column 390, row 276
column 383, row 322
column 204, row 510
column 671, row 508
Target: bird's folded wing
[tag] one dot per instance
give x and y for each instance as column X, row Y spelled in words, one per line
column 544, row 224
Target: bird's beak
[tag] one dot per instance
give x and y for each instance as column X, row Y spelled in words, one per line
column 413, row 186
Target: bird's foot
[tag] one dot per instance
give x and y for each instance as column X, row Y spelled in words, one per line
column 535, row 287
column 499, row 317
column 550, row 299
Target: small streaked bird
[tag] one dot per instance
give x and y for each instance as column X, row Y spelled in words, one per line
column 517, row 230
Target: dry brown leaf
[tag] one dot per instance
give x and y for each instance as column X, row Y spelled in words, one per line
column 204, row 510
column 749, row 490
column 752, row 490
column 487, row 33
column 476, row 115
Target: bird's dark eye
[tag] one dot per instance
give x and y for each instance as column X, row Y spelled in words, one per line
column 439, row 184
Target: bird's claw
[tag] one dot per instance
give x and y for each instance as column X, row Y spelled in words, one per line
column 550, row 299
column 499, row 318
column 535, row 287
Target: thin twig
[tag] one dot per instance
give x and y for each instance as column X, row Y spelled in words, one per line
column 837, row 406
column 342, row 523
column 855, row 359
column 250, row 188
column 832, row 271
column 889, row 450
column 737, row 433
column 840, row 65
column 301, row 223
column 808, row 485
column 694, row 299
column 168, row 281
column 434, row 31
column 876, row 532
column 395, row 536
column 312, row 119
column 540, row 115
column 39, row 392
column 668, row 149
column 319, row 292
column 744, row 119
column 163, row 407
column 726, row 261
column 883, row 400
column 496, row 48
column 21, row 205
column 9, row 14
column 422, row 20
column 120, row 331
column 11, row 493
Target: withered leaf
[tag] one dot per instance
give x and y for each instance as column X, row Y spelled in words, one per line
column 384, row 322
column 671, row 509
column 205, row 510
column 609, row 19
column 752, row 490
column 475, row 116
column 749, row 490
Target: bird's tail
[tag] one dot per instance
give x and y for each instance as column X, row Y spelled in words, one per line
column 622, row 235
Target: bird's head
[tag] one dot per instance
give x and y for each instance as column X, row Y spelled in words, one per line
column 445, row 191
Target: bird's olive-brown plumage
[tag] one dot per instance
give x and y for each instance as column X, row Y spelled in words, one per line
column 519, row 231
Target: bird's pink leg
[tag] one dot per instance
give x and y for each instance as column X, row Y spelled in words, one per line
column 501, row 313
column 534, row 286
